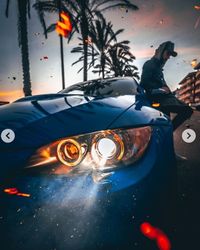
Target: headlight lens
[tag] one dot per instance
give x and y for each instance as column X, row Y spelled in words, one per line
column 101, row 151
column 107, row 148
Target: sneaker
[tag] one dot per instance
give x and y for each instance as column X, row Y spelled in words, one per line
column 180, row 157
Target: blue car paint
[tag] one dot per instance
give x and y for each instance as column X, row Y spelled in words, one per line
column 121, row 179
column 75, row 201
column 32, row 133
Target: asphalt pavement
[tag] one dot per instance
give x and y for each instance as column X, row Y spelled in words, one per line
column 188, row 199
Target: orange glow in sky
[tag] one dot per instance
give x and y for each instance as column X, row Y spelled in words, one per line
column 10, row 95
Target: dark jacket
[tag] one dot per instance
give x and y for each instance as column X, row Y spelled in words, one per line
column 152, row 80
column 152, row 75
column 152, row 72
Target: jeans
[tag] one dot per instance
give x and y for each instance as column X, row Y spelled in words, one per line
column 170, row 104
column 183, row 112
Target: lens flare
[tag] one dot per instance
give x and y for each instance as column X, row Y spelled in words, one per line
column 156, row 234
column 163, row 242
column 15, row 191
column 148, row 230
column 11, row 191
column 197, row 7
column 43, row 157
column 64, row 27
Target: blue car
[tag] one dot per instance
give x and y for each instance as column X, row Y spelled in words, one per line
column 84, row 168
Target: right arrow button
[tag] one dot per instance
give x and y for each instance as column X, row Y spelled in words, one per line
column 188, row 135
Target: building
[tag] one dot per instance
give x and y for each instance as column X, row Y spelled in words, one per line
column 189, row 91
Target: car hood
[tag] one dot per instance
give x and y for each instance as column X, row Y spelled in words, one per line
column 41, row 119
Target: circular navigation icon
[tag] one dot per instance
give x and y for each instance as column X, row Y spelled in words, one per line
column 7, row 135
column 188, row 135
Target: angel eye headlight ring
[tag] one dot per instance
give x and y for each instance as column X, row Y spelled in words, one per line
column 69, row 152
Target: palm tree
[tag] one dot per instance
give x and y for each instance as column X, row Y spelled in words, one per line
column 23, row 12
column 101, row 36
column 120, row 60
column 82, row 13
column 106, row 55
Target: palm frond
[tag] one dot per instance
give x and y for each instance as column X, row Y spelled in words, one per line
column 51, row 28
column 114, row 36
column 28, row 7
column 7, row 8
column 120, row 5
column 77, row 50
column 79, row 60
column 80, row 70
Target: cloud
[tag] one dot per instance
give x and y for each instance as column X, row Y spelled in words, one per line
column 143, row 53
column 155, row 17
column 182, row 51
column 189, row 51
column 150, row 18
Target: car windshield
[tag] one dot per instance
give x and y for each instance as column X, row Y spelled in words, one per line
column 104, row 88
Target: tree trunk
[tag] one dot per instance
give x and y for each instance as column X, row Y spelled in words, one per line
column 85, row 61
column 103, row 65
column 23, row 42
column 84, row 33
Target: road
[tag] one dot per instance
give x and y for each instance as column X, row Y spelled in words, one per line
column 188, row 208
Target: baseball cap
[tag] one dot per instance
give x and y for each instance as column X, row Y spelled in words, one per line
column 169, row 46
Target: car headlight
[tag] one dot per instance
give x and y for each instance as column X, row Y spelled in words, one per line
column 102, row 151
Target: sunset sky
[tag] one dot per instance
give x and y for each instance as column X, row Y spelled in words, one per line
column 155, row 22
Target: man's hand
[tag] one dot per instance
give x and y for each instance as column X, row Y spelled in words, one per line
column 166, row 89
column 163, row 91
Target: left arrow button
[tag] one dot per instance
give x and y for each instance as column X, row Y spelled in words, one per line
column 7, row 135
